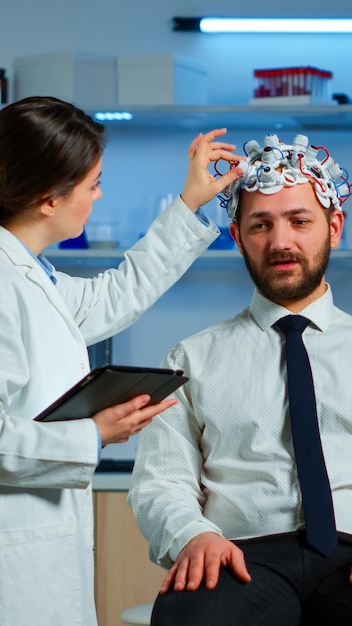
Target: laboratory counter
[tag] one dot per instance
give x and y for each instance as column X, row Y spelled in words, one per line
column 124, row 574
column 113, row 475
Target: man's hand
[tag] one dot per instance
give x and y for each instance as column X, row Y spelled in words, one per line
column 117, row 423
column 201, row 186
column 201, row 559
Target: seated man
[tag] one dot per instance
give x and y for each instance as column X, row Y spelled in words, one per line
column 254, row 528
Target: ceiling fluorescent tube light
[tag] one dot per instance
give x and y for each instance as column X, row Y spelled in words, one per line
column 274, row 25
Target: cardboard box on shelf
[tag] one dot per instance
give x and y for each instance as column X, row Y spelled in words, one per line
column 84, row 79
column 163, row 79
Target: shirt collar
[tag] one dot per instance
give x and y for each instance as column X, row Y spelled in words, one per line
column 43, row 262
column 266, row 313
column 47, row 267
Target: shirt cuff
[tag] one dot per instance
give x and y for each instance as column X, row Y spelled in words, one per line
column 197, row 527
column 100, row 444
column 200, row 215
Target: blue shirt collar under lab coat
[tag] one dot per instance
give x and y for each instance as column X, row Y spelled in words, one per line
column 43, row 262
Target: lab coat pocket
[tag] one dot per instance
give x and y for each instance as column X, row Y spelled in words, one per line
column 39, row 581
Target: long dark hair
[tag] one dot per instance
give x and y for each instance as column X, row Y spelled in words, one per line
column 47, row 147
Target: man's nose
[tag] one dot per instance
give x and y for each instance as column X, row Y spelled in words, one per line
column 280, row 236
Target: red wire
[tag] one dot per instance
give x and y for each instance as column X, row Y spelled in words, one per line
column 326, row 152
column 307, row 174
column 342, row 200
column 216, row 169
column 233, row 164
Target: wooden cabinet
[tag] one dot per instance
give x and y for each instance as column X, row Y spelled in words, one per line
column 124, row 575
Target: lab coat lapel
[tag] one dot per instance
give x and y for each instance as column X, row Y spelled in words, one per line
column 38, row 276
column 30, row 268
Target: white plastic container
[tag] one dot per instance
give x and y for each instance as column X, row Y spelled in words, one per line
column 86, row 80
column 102, row 235
column 164, row 79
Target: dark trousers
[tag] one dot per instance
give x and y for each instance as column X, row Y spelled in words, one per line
column 291, row 586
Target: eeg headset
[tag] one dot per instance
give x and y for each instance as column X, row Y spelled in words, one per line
column 279, row 165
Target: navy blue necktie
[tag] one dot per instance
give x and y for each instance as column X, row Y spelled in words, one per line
column 314, row 481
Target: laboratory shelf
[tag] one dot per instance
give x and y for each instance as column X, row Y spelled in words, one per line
column 118, row 253
column 300, row 117
column 103, row 253
column 103, row 258
column 210, row 259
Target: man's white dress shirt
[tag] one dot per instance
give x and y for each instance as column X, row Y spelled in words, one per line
column 222, row 459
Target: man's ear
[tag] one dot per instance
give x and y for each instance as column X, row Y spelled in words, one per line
column 336, row 225
column 235, row 234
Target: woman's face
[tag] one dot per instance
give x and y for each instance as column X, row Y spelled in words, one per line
column 71, row 212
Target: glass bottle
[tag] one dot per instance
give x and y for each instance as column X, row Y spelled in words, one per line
column 3, row 86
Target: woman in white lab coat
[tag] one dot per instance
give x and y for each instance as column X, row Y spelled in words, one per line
column 50, row 164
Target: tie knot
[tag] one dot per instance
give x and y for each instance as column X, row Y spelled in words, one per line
column 292, row 322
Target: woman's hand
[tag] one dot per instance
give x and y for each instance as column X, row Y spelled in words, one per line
column 117, row 423
column 201, row 186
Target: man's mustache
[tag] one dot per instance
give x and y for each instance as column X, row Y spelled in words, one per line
column 285, row 255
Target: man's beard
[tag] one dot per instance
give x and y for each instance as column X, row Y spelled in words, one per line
column 278, row 287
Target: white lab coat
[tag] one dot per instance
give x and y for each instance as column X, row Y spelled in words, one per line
column 46, row 522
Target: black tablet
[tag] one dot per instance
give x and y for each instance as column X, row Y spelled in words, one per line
column 109, row 385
